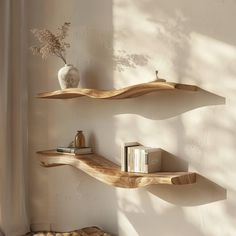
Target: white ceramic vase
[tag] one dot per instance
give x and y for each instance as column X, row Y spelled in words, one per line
column 68, row 76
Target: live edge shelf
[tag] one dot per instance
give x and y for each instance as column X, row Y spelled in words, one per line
column 127, row 92
column 108, row 172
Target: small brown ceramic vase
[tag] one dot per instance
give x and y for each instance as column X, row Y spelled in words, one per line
column 79, row 139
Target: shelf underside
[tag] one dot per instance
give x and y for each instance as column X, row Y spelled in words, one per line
column 108, row 172
column 127, row 92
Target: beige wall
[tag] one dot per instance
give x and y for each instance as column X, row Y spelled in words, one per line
column 188, row 42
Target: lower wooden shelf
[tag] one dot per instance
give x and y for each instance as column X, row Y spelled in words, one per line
column 108, row 172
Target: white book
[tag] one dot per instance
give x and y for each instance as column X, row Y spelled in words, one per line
column 128, row 159
column 136, row 159
column 142, row 153
column 131, row 159
column 145, row 159
column 140, row 162
column 124, row 154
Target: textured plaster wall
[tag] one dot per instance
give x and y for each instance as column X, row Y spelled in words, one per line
column 187, row 41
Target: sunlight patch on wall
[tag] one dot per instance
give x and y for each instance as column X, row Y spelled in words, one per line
column 133, row 201
column 125, row 225
column 205, row 217
column 213, row 63
column 135, row 204
column 210, row 145
column 152, row 133
column 137, row 33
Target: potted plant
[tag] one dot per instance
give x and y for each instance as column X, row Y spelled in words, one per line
column 55, row 45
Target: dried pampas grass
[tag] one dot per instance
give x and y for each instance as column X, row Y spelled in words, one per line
column 51, row 44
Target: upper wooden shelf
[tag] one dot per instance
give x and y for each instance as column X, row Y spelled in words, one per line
column 127, row 92
column 110, row 173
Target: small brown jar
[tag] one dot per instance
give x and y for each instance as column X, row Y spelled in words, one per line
column 79, row 139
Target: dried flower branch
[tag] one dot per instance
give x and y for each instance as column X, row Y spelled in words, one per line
column 51, row 44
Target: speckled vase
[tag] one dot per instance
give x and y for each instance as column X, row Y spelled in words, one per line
column 68, row 76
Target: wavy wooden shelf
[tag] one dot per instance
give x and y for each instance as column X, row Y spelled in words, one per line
column 128, row 92
column 108, row 172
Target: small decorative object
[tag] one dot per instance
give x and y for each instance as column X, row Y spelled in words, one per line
column 77, row 151
column 54, row 44
column 68, row 76
column 158, row 79
column 79, row 139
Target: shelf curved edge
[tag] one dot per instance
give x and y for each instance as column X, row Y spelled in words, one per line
column 127, row 92
column 109, row 173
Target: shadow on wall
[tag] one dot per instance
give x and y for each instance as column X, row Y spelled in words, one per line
column 174, row 215
column 172, row 163
column 202, row 192
column 176, row 22
column 96, row 73
column 120, row 61
column 164, row 104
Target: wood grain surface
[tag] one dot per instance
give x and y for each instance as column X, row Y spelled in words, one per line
column 127, row 92
column 110, row 173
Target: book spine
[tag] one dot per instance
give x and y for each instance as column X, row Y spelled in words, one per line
column 82, row 151
column 132, row 160
column 136, row 159
column 146, row 162
column 68, row 150
column 142, row 161
column 77, row 151
column 129, row 159
column 124, row 159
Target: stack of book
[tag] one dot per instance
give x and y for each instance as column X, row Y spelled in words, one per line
column 76, row 151
column 140, row 159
